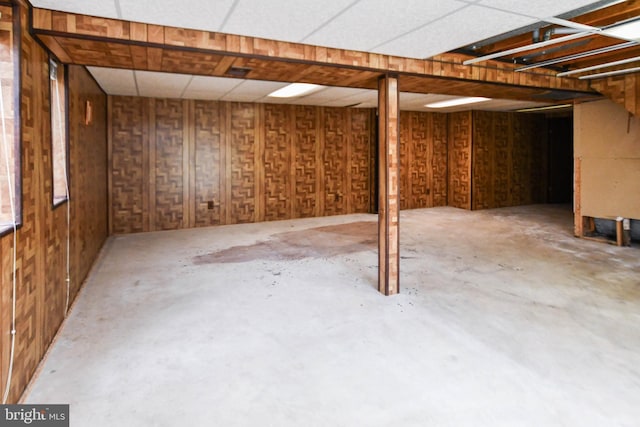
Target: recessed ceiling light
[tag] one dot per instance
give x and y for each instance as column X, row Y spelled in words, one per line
column 295, row 89
column 457, row 101
column 626, row 31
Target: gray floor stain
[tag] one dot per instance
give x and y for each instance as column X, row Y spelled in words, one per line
column 316, row 242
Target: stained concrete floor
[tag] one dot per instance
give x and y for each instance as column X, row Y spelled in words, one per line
column 504, row 319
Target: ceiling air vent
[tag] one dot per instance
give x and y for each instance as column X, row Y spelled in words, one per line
column 238, row 71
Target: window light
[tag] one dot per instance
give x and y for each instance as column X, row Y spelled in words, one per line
column 457, row 101
column 295, row 89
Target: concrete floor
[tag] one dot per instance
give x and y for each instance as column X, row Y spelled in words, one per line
column 504, row 319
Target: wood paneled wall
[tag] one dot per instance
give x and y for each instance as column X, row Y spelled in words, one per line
column 459, row 141
column 187, row 163
column 496, row 159
column 623, row 90
column 41, row 254
column 509, row 159
column 423, row 160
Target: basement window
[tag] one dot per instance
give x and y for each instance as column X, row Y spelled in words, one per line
column 59, row 140
column 10, row 200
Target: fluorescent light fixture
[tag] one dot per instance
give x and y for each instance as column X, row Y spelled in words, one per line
column 295, row 89
column 610, row 73
column 549, row 107
column 627, row 31
column 597, row 67
column 457, row 101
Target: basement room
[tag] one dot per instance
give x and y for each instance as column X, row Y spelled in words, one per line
column 245, row 213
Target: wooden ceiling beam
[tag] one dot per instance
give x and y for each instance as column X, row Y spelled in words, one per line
column 86, row 40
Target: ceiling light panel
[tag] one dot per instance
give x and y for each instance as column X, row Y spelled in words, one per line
column 457, row 101
column 195, row 14
column 334, row 93
column 289, row 20
column 252, row 90
column 295, row 90
column 161, row 85
column 105, row 8
column 441, row 36
column 115, row 81
column 384, row 20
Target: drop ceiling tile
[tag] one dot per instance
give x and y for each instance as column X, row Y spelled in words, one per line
column 161, row 85
column 538, row 8
column 252, row 90
column 333, row 93
column 441, row 36
column 104, row 8
column 207, row 84
column 196, row 14
column 372, row 22
column 115, row 81
column 289, row 20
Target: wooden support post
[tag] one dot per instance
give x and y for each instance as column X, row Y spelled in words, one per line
column 389, row 176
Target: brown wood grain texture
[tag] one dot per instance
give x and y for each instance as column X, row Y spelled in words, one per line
column 208, row 124
column 360, row 143
column 128, row 175
column 335, row 160
column 243, row 165
column 389, row 186
column 108, row 42
column 307, row 179
column 509, row 159
column 277, row 162
column 405, row 159
column 459, row 148
column 254, row 162
column 623, row 90
column 88, row 173
column 41, row 240
column 169, row 173
column 440, row 159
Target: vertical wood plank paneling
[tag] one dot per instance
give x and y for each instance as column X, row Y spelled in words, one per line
column 459, row 150
column 209, row 164
column 242, row 146
column 168, row 165
column 293, row 155
column 406, row 140
column 254, row 162
column 41, row 240
column 150, row 163
column 335, row 160
column 277, row 162
column 191, row 168
column 259, row 166
column 508, row 159
column 307, row 162
column 419, row 161
column 321, row 182
column 187, row 128
column 440, row 161
column 359, row 173
column 129, row 166
column 88, row 173
column 228, row 173
column 483, row 158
